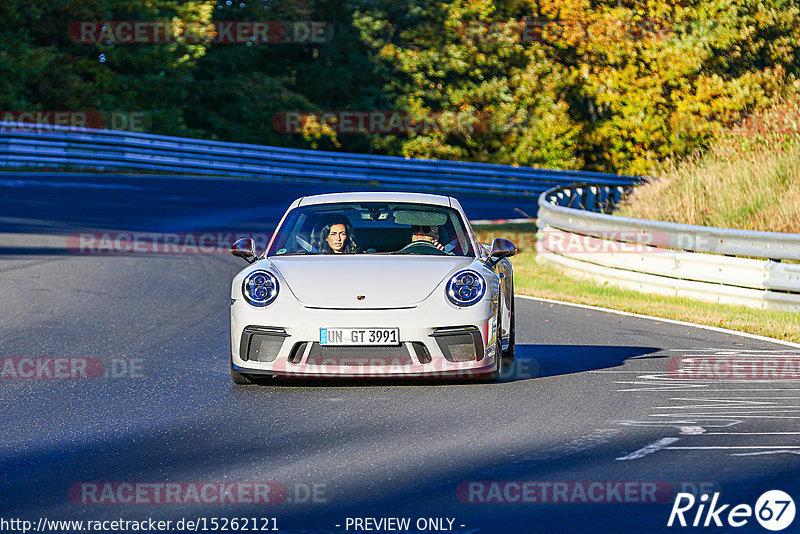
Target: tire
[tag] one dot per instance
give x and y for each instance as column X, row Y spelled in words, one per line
column 494, row 376
column 240, row 379
column 508, row 354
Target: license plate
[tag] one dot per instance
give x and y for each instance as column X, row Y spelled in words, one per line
column 359, row 336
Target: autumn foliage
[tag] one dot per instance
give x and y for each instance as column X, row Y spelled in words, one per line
column 605, row 85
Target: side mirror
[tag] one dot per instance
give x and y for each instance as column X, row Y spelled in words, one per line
column 501, row 248
column 243, row 248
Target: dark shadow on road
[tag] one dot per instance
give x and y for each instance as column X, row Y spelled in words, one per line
column 35, row 251
column 531, row 361
column 538, row 361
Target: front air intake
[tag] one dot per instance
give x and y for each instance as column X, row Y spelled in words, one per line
column 463, row 344
column 261, row 344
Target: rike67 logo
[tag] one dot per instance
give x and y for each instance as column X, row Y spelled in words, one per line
column 774, row 510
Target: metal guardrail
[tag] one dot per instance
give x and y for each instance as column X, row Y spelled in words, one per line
column 106, row 149
column 676, row 259
column 579, row 235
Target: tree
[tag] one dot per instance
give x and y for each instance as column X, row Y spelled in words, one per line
column 463, row 67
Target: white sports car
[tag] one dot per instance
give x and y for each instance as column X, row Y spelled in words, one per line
column 373, row 285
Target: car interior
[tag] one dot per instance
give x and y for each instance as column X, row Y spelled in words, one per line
column 377, row 228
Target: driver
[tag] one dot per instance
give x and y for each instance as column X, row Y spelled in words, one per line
column 424, row 240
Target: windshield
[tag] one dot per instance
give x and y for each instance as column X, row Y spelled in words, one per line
column 372, row 228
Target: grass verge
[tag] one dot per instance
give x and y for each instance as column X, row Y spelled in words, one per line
column 538, row 280
column 748, row 179
column 541, row 280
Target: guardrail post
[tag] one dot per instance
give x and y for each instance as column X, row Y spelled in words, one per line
column 590, row 198
column 576, row 198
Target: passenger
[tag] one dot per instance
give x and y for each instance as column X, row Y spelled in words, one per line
column 336, row 236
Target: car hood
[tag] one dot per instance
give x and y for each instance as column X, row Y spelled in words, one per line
column 383, row 281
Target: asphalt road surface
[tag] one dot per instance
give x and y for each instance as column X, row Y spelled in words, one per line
column 603, row 420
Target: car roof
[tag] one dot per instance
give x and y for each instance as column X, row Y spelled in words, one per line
column 375, row 196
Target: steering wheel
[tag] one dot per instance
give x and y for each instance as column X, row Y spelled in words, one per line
column 427, row 246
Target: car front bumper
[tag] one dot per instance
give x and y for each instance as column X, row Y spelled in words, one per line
column 436, row 340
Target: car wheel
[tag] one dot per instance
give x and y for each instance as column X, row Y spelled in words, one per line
column 494, row 376
column 508, row 354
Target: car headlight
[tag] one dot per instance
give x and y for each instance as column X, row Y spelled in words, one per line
column 465, row 288
column 260, row 288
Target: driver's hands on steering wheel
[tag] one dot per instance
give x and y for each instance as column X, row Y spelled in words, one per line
column 436, row 244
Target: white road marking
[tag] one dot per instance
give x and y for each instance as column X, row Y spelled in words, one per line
column 675, row 386
column 752, row 433
column 733, row 409
column 684, row 423
column 721, row 403
column 761, row 416
column 661, row 382
column 726, row 391
column 744, row 358
column 663, row 320
column 761, row 453
column 717, row 400
column 662, row 376
column 732, row 397
column 649, row 449
column 733, row 380
column 620, row 371
column 721, row 447
column 678, row 384
column 729, row 352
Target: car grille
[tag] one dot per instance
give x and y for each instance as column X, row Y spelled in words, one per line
column 359, row 356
